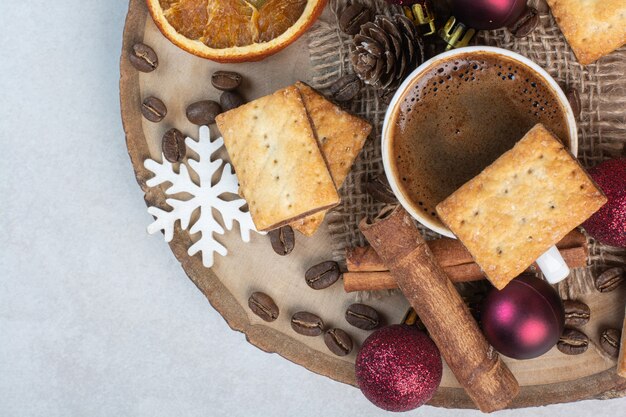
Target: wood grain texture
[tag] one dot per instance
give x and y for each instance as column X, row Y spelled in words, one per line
column 603, row 383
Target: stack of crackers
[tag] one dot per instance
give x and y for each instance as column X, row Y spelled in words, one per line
column 291, row 150
column 521, row 205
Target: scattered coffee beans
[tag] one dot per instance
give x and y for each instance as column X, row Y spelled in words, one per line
column 203, row 112
column 143, row 58
column 231, row 100
column 362, row 316
column 263, row 306
column 577, row 313
column 573, row 342
column 173, row 145
column 338, row 342
column 307, row 324
column 353, row 17
column 153, row 109
column 380, row 190
column 609, row 279
column 346, row 88
column 322, row 275
column 226, row 80
column 283, row 240
column 610, row 341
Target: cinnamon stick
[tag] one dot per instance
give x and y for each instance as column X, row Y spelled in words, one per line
column 450, row 252
column 478, row 368
column 359, row 280
column 383, row 280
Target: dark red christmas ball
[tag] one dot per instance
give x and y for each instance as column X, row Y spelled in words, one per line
column 488, row 14
column 398, row 368
column 523, row 320
column 608, row 225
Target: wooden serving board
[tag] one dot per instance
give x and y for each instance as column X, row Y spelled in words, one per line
column 181, row 79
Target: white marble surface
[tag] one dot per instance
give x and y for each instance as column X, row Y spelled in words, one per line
column 96, row 317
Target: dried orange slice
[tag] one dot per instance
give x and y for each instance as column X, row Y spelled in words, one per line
column 234, row 30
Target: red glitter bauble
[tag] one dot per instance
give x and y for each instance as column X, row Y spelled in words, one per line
column 608, row 225
column 398, row 368
column 524, row 319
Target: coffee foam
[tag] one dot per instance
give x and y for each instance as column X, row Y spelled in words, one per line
column 459, row 117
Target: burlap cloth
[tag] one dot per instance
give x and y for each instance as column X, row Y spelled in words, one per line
column 601, row 129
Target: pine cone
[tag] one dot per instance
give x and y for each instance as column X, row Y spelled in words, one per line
column 386, row 50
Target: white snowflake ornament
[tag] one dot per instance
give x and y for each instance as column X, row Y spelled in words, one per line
column 205, row 196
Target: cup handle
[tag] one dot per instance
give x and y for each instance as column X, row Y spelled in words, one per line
column 553, row 266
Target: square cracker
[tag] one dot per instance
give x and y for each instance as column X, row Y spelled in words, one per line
column 593, row 28
column 341, row 137
column 522, row 204
column 282, row 173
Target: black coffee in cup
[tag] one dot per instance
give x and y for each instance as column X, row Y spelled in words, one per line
column 460, row 116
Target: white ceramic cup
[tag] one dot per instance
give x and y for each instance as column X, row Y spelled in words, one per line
column 551, row 263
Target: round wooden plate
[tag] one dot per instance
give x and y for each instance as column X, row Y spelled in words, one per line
column 182, row 79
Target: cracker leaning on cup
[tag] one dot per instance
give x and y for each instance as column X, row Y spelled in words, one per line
column 519, row 207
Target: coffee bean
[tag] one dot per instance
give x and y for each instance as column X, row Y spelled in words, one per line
column 283, row 240
column 362, row 316
column 609, row 279
column 573, row 97
column 226, row 80
column 231, row 100
column 143, row 58
column 322, row 275
column 577, row 313
column 307, row 324
column 353, row 17
column 203, row 112
column 338, row 342
column 525, row 24
column 610, row 341
column 153, row 109
column 173, row 145
column 345, row 88
column 380, row 190
column 573, row 342
column 263, row 306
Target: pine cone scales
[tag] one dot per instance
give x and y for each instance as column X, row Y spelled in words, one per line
column 386, row 50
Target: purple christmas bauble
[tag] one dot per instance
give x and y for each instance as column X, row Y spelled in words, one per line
column 488, row 14
column 523, row 320
column 398, row 368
